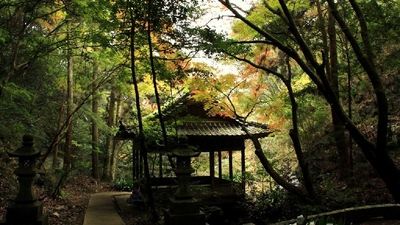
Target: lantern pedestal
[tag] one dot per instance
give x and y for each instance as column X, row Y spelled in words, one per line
column 26, row 209
column 190, row 218
column 184, row 212
column 183, row 208
column 31, row 213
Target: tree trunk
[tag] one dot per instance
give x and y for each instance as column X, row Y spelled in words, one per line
column 95, row 129
column 271, row 171
column 331, row 66
column 139, row 114
column 110, row 138
column 389, row 173
column 377, row 153
column 333, row 76
column 56, row 162
column 294, row 135
column 115, row 158
column 154, row 79
column 68, row 136
column 116, row 143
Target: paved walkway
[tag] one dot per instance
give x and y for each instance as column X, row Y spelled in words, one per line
column 101, row 209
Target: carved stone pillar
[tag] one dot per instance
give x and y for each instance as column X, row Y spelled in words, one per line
column 184, row 208
column 26, row 209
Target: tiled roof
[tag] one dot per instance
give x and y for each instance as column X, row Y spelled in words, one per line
column 204, row 125
column 230, row 128
column 221, row 128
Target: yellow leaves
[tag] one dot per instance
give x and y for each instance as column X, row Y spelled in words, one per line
column 145, row 86
column 45, row 24
column 301, row 82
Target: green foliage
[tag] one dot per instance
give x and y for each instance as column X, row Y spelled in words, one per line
column 314, row 115
column 260, row 16
column 329, row 220
column 123, row 184
column 273, row 205
column 33, row 71
column 15, row 115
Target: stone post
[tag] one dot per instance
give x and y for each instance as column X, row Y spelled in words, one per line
column 26, row 209
column 184, row 208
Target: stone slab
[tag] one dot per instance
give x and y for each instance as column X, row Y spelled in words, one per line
column 184, row 219
column 190, row 206
column 101, row 210
column 123, row 205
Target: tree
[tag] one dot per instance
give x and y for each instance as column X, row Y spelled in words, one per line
column 110, row 137
column 293, row 44
column 95, row 129
column 26, row 42
column 331, row 57
column 70, row 101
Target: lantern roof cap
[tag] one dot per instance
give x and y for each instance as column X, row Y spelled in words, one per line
column 185, row 152
column 26, row 149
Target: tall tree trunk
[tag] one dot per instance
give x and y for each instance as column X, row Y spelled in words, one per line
column 95, row 129
column 331, row 66
column 110, row 138
column 70, row 100
column 375, row 152
column 294, row 135
column 56, row 162
column 271, row 171
column 154, row 76
column 349, row 106
column 116, row 143
column 333, row 76
column 115, row 158
column 139, row 114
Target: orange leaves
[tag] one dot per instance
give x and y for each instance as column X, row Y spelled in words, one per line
column 267, row 58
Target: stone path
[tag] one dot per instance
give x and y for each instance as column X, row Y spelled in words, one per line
column 101, row 209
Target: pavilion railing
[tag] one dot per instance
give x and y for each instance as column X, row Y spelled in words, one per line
column 203, row 188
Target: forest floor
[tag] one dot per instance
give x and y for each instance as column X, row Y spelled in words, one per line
column 137, row 216
column 71, row 208
column 66, row 210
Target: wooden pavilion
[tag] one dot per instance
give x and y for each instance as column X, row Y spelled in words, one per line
column 214, row 135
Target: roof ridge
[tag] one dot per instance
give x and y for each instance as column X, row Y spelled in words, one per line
column 252, row 123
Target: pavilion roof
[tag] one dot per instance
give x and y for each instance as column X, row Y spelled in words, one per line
column 225, row 128
column 202, row 124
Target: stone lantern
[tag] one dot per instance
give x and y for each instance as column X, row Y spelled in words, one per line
column 184, row 208
column 26, row 209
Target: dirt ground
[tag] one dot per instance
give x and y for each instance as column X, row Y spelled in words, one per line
column 71, row 207
column 135, row 215
column 66, row 210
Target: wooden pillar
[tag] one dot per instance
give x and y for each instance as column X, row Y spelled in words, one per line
column 212, row 170
column 136, row 159
column 160, row 166
column 243, row 168
column 140, row 165
column 219, row 165
column 230, row 166
column 133, row 160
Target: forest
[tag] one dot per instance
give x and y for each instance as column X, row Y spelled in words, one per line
column 321, row 74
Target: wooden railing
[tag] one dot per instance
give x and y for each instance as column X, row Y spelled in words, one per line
column 202, row 188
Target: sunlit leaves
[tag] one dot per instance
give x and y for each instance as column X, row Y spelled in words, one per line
column 217, row 45
column 260, row 16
